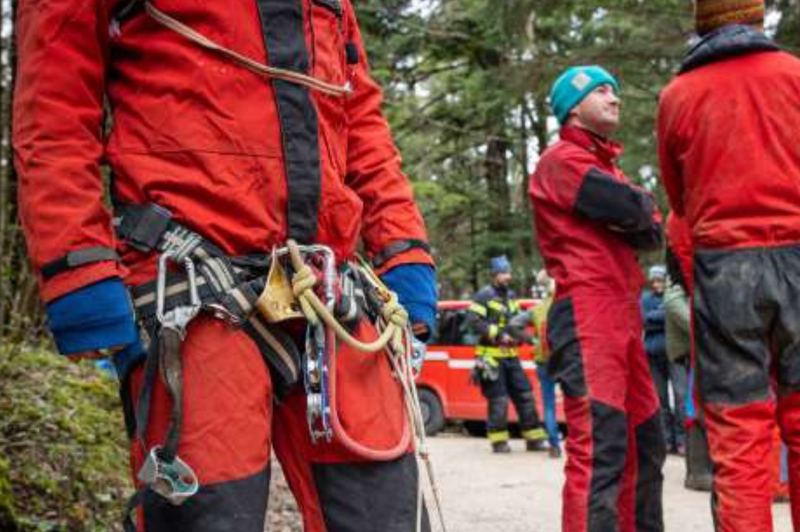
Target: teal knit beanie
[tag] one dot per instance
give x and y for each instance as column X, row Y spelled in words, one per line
column 574, row 85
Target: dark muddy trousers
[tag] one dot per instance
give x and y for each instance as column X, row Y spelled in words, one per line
column 747, row 339
column 230, row 425
column 615, row 442
column 511, row 382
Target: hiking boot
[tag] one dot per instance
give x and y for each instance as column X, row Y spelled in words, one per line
column 535, row 445
column 554, row 452
column 501, row 447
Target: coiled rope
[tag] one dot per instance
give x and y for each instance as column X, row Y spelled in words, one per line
column 394, row 334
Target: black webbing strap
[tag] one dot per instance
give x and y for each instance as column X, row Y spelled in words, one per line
column 77, row 258
column 277, row 348
column 142, row 226
column 283, row 28
column 397, row 247
column 230, row 285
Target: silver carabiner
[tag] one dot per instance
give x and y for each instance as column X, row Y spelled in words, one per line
column 179, row 317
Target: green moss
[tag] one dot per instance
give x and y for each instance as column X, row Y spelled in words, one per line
column 63, row 438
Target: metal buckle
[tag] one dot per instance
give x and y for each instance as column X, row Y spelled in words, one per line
column 175, row 481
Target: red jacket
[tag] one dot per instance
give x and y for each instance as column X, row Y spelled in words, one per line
column 679, row 240
column 590, row 219
column 200, row 135
column 729, row 142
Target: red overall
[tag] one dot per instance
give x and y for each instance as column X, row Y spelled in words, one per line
column 727, row 128
column 247, row 162
column 589, row 220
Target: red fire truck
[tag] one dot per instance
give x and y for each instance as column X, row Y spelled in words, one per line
column 445, row 390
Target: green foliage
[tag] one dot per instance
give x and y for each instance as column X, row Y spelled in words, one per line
column 467, row 84
column 63, row 441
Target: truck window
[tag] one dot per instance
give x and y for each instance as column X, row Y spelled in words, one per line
column 452, row 329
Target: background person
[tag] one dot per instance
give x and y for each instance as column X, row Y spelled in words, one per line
column 537, row 318
column 498, row 369
column 667, row 375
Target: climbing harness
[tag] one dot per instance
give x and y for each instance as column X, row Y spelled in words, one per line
column 253, row 292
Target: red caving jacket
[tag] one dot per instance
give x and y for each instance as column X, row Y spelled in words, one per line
column 729, row 142
column 244, row 160
column 590, row 219
column 679, row 240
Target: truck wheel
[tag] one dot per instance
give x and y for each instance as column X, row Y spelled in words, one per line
column 432, row 412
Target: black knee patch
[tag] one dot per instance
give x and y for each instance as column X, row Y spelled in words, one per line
column 356, row 497
column 565, row 365
column 239, row 505
column 651, row 453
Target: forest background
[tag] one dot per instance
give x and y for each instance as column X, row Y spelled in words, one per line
column 466, row 84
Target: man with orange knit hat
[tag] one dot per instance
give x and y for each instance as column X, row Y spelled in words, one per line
column 727, row 131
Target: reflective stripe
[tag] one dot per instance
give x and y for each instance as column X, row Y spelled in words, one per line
column 478, row 309
column 534, row 434
column 437, row 356
column 469, row 364
column 493, row 330
column 496, row 436
column 499, row 307
column 496, row 352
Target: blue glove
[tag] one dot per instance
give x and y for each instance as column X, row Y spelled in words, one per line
column 126, row 359
column 93, row 317
column 415, row 286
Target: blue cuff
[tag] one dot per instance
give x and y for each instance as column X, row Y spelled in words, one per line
column 94, row 317
column 126, row 359
column 415, row 286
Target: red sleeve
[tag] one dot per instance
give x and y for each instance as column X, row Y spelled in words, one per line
column 373, row 167
column 559, row 177
column 57, row 136
column 670, row 170
column 574, row 183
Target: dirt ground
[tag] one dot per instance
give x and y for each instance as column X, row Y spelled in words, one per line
column 521, row 492
column 518, row 492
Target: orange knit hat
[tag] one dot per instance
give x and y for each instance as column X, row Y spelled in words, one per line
column 710, row 15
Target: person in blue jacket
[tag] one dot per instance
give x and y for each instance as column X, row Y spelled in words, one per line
column 655, row 344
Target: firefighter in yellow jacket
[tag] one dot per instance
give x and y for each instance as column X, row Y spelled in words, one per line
column 498, row 368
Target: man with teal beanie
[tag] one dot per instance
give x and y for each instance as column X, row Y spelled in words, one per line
column 574, row 85
column 591, row 221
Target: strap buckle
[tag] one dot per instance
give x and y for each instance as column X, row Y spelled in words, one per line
column 175, row 480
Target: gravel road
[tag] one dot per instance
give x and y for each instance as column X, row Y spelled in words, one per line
column 521, row 492
column 517, row 492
